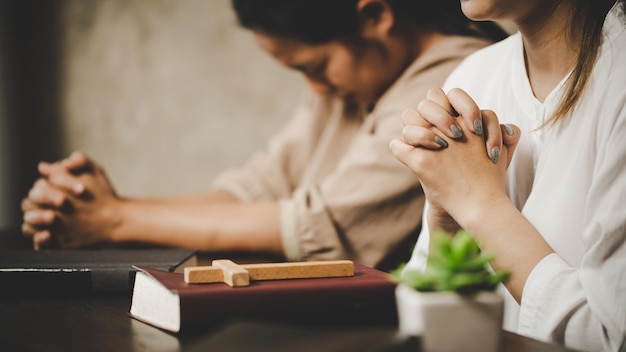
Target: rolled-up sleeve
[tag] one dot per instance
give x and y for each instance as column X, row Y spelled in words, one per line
column 370, row 206
column 367, row 209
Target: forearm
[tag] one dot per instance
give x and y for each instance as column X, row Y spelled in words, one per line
column 519, row 247
column 218, row 196
column 210, row 226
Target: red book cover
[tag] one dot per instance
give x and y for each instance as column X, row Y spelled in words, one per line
column 163, row 299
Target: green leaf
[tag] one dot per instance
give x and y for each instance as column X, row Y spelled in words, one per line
column 455, row 263
column 499, row 277
column 468, row 279
column 477, row 263
column 463, row 247
column 438, row 260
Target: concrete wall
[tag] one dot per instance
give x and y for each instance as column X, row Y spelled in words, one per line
column 165, row 94
column 29, row 98
column 5, row 145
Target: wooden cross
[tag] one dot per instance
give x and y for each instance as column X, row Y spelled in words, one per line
column 234, row 275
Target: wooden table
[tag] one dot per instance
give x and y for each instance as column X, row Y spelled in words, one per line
column 100, row 323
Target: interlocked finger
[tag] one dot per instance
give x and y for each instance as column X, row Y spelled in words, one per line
column 438, row 96
column 412, row 117
column 438, row 116
column 493, row 135
column 467, row 109
column 423, row 137
column 45, row 195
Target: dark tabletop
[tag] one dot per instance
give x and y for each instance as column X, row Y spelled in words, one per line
column 100, row 322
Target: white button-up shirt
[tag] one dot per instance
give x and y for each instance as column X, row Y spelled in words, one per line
column 569, row 181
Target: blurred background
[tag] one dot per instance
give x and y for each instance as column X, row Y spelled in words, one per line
column 164, row 94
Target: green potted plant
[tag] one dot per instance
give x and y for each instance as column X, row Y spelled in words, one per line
column 453, row 304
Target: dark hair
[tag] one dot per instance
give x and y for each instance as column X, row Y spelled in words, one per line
column 321, row 21
column 588, row 38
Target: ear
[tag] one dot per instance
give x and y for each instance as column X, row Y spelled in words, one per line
column 376, row 17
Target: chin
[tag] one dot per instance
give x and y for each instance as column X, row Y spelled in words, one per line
column 475, row 10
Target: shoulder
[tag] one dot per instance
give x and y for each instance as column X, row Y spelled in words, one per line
column 441, row 58
column 427, row 71
column 454, row 48
column 486, row 63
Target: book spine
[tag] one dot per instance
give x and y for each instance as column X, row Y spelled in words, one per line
column 48, row 282
column 113, row 279
column 371, row 306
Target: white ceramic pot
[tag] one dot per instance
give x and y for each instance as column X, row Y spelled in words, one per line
column 447, row 321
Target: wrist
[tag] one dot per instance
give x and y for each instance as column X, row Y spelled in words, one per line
column 439, row 220
column 483, row 212
column 118, row 212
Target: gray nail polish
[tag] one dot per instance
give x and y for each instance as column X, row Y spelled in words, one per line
column 442, row 142
column 478, row 127
column 508, row 130
column 456, row 132
column 495, row 155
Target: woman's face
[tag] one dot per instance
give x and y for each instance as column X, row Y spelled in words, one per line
column 337, row 70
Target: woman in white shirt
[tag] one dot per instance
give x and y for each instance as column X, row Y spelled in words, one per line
column 556, row 218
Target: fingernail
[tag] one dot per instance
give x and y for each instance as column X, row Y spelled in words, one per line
column 442, row 142
column 495, row 154
column 456, row 132
column 478, row 127
column 508, row 130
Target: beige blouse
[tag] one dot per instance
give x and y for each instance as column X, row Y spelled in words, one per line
column 342, row 193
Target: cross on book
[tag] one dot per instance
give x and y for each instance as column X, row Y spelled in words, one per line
column 235, row 275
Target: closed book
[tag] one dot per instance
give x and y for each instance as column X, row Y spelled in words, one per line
column 164, row 300
column 80, row 272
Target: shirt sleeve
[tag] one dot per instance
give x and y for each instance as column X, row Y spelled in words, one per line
column 368, row 209
column 585, row 306
column 272, row 173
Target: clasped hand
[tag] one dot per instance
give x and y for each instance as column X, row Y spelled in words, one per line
column 459, row 153
column 71, row 205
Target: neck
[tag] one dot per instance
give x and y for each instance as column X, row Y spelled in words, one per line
column 548, row 52
column 407, row 48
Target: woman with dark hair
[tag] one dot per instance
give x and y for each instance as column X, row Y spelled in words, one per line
column 556, row 218
column 327, row 186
